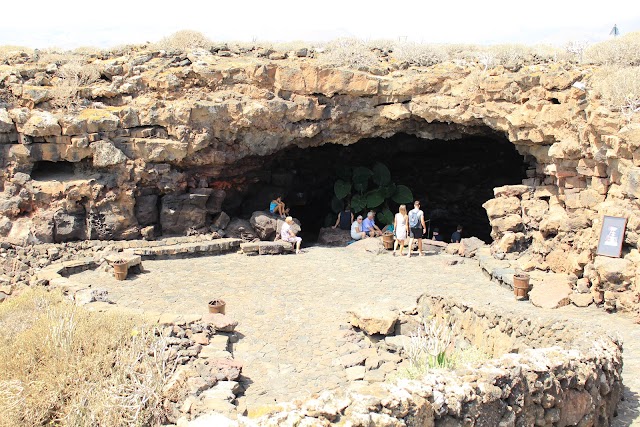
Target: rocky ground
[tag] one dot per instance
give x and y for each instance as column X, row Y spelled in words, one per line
column 293, row 335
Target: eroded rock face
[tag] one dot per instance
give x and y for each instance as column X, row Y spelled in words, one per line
column 174, row 130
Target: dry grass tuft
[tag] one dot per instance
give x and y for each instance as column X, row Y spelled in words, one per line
column 183, row 40
column 72, row 76
column 352, row 53
column 63, row 365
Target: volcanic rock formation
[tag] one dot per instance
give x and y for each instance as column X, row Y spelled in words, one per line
column 167, row 140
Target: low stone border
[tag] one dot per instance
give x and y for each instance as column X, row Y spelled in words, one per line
column 554, row 372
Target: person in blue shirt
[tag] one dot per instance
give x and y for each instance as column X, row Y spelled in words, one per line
column 369, row 226
column 277, row 207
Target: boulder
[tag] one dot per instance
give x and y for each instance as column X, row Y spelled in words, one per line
column 368, row 245
column 41, row 123
column 373, row 320
column 214, row 203
column 69, row 226
column 265, row 224
column 240, row 229
column 551, row 293
column 220, row 221
column 6, row 124
column 220, row 322
column 581, row 300
column 181, row 212
column 224, row 369
column 469, row 246
column 334, row 236
column 107, row 154
column 453, row 248
column 502, row 206
column 614, row 271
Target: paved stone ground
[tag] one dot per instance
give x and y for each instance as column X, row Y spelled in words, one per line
column 291, row 308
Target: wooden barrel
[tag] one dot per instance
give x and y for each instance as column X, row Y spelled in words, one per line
column 521, row 286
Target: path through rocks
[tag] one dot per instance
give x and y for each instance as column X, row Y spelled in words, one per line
column 291, row 309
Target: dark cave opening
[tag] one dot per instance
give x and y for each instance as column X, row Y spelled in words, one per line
column 452, row 179
column 44, row 170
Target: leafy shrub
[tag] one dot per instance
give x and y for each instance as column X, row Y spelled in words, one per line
column 431, row 347
column 352, row 53
column 63, row 365
column 183, row 40
column 368, row 189
column 619, row 88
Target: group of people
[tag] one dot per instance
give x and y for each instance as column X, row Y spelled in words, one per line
column 406, row 225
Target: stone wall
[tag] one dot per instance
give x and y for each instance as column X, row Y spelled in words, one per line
column 562, row 374
column 159, row 139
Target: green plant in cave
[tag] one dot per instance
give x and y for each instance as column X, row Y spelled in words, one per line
column 368, row 189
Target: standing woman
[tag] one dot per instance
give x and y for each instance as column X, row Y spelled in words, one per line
column 400, row 223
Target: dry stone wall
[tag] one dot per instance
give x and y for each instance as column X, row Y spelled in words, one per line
column 160, row 139
column 553, row 373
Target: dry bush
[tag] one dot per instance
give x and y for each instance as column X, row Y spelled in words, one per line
column 420, row 54
column 347, row 52
column 183, row 40
column 623, row 51
column 619, row 88
column 72, row 76
column 9, row 51
column 63, row 365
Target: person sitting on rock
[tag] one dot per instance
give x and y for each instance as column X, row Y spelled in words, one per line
column 277, row 207
column 369, row 226
column 345, row 219
column 437, row 236
column 288, row 235
column 356, row 229
column 457, row 235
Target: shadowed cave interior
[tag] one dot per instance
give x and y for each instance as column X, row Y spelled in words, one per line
column 451, row 178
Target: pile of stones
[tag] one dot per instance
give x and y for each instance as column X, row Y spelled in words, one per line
column 206, row 377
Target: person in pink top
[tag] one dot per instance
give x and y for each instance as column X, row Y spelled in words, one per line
column 288, row 235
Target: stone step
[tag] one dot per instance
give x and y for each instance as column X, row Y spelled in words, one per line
column 210, row 247
column 266, row 248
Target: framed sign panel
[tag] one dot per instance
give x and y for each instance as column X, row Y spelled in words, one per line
column 611, row 236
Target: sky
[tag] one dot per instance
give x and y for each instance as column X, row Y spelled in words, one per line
column 70, row 23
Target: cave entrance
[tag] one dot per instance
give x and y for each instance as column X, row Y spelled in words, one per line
column 451, row 178
column 44, row 170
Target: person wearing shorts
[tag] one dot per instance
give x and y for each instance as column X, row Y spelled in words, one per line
column 417, row 227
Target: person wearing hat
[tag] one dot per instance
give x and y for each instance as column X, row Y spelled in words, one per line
column 356, row 229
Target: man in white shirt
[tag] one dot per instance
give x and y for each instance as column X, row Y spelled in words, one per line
column 287, row 234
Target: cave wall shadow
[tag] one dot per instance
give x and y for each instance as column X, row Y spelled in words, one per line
column 452, row 178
